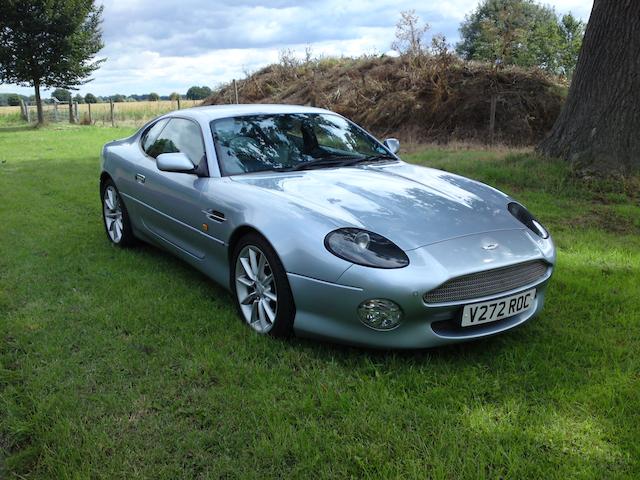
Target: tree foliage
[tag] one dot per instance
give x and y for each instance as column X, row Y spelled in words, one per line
column 90, row 98
column 61, row 94
column 410, row 34
column 521, row 32
column 198, row 93
column 175, row 96
column 49, row 43
column 571, row 32
column 13, row 99
column 154, row 97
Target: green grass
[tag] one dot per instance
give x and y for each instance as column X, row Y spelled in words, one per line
column 129, row 364
column 12, row 119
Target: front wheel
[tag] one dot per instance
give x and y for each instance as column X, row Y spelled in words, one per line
column 261, row 288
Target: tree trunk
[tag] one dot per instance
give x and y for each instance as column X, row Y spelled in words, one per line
column 36, row 84
column 599, row 126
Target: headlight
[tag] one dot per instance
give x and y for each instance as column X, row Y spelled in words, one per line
column 365, row 248
column 529, row 220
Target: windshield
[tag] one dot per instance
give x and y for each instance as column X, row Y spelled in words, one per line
column 256, row 143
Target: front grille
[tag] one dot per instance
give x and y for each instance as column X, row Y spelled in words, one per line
column 489, row 282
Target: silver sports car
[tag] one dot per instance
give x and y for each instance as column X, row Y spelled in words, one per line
column 318, row 228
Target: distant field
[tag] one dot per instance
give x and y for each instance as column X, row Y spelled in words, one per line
column 130, row 364
column 5, row 110
column 125, row 113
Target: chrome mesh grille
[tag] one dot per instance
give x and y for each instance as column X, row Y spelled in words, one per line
column 489, row 282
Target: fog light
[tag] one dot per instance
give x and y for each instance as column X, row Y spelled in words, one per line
column 380, row 314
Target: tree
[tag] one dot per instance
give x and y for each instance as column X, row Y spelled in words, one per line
column 598, row 126
column 61, row 94
column 520, row 32
column 90, row 98
column 572, row 32
column 118, row 98
column 410, row 34
column 154, row 97
column 13, row 99
column 174, row 97
column 49, row 43
column 78, row 98
column 198, row 93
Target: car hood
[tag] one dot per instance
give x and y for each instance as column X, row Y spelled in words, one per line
column 411, row 205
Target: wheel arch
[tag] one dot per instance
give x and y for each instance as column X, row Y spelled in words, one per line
column 104, row 176
column 240, row 232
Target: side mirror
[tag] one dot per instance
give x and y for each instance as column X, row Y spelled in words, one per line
column 174, row 162
column 393, row 144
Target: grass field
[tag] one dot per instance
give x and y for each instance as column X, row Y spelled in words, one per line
column 129, row 364
column 125, row 113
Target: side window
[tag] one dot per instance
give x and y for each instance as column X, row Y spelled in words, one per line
column 151, row 134
column 179, row 135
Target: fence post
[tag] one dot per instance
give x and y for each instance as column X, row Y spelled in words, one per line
column 28, row 113
column 71, row 119
column 492, row 118
column 111, row 109
column 178, row 102
column 90, row 120
column 75, row 112
column 23, row 110
column 55, row 110
column 235, row 89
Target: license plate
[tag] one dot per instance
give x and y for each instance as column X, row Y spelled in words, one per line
column 485, row 312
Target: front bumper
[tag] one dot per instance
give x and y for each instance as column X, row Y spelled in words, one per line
column 329, row 310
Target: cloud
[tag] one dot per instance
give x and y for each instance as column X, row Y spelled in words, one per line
column 165, row 46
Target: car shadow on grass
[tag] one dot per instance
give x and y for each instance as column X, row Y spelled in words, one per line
column 186, row 271
column 447, row 353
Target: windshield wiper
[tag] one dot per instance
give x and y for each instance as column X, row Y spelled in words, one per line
column 317, row 162
column 335, row 161
column 368, row 158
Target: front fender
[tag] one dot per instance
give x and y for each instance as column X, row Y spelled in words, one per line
column 296, row 233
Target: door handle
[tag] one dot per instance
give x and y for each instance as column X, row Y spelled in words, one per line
column 214, row 215
column 140, row 178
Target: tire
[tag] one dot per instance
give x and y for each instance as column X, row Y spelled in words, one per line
column 265, row 305
column 115, row 216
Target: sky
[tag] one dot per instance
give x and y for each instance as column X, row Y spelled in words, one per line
column 166, row 46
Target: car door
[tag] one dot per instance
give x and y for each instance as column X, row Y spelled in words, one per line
column 171, row 209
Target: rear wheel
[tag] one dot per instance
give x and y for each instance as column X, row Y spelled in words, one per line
column 115, row 216
column 261, row 288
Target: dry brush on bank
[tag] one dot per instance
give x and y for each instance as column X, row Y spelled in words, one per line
column 426, row 99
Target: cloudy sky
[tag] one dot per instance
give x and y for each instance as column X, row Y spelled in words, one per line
column 166, row 46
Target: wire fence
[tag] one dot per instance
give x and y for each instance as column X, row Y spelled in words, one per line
column 107, row 113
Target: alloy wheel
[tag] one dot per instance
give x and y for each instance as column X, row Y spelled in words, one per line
column 256, row 289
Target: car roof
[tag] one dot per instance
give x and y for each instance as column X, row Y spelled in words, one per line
column 213, row 112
